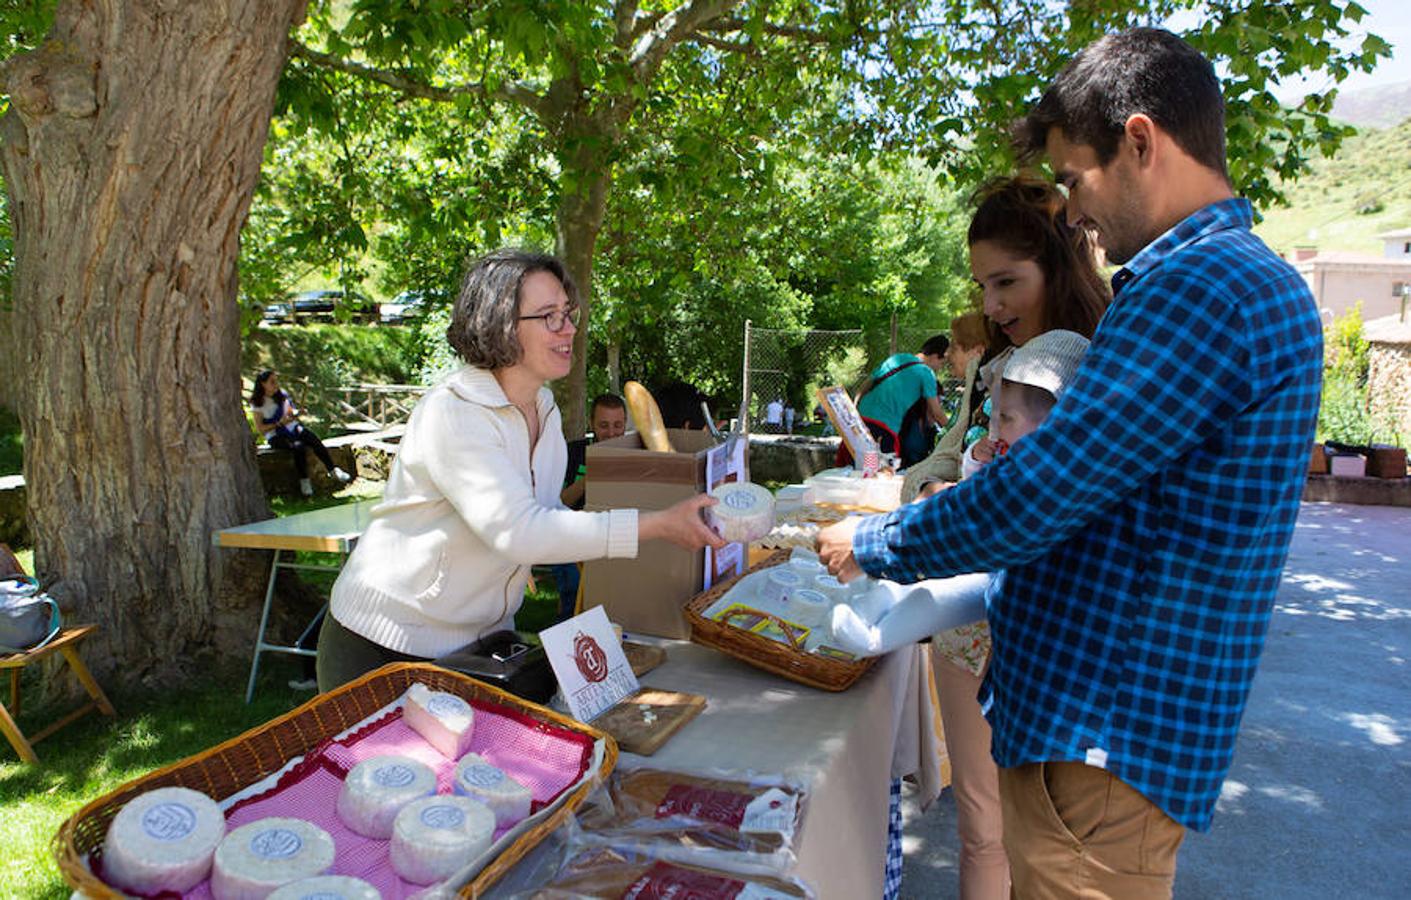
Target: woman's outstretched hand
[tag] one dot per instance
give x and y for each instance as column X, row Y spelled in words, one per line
column 681, row 524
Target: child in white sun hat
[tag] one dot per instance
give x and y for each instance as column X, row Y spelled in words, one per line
column 1033, row 379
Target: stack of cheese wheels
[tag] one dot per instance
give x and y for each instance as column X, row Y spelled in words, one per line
column 377, row 788
column 507, row 799
column 163, row 840
column 445, row 720
column 266, row 854
column 434, row 837
column 327, row 887
column 745, row 512
column 646, row 415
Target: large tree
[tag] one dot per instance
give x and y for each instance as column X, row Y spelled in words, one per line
column 132, row 146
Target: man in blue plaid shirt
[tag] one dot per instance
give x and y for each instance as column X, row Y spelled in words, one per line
column 1142, row 529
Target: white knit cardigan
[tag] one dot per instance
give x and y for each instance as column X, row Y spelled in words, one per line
column 466, row 512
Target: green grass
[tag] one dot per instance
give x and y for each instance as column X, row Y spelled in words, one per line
column 1344, row 202
column 155, row 728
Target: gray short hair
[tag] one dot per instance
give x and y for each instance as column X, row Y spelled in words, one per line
column 485, row 319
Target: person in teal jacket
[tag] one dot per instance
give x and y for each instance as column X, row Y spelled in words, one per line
column 903, row 395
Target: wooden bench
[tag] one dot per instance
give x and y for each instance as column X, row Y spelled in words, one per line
column 66, row 643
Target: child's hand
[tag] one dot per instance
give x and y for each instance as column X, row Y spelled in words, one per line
column 984, row 450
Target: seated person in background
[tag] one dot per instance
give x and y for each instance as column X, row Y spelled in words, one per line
column 902, row 394
column 277, row 419
column 607, row 419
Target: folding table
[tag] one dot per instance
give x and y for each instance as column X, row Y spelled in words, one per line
column 334, row 529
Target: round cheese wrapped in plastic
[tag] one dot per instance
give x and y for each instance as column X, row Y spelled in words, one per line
column 266, row 854
column 163, row 840
column 434, row 837
column 377, row 788
column 327, row 887
column 745, row 512
column 508, row 799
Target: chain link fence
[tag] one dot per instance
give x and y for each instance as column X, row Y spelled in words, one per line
column 783, row 370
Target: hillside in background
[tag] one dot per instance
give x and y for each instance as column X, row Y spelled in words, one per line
column 1377, row 107
column 1345, row 201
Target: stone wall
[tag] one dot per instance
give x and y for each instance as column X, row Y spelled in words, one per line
column 1389, row 385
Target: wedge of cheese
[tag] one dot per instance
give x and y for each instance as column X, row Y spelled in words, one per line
column 446, row 721
column 477, row 779
column 377, row 788
column 266, row 854
column 163, row 840
column 435, row 837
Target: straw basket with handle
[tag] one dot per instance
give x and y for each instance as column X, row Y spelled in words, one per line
column 245, row 760
column 785, row 660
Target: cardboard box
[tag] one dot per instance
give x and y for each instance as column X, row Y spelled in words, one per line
column 1318, row 461
column 1386, row 462
column 646, row 594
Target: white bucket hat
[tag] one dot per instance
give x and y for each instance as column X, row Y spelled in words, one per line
column 1048, row 361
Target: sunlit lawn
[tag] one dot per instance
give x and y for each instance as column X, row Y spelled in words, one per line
column 154, row 727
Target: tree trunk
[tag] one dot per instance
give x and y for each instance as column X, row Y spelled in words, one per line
column 131, row 152
column 580, row 218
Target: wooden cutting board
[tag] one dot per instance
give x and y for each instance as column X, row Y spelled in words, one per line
column 643, row 657
column 628, row 721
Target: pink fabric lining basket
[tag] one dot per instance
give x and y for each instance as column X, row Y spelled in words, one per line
column 527, row 742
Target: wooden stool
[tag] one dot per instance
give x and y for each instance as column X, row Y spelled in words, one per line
column 66, row 643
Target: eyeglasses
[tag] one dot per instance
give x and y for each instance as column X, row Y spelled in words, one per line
column 557, row 320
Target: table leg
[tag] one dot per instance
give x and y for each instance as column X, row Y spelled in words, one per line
column 15, row 691
column 264, row 620
column 89, row 683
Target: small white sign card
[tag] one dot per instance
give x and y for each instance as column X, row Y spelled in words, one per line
column 721, row 469
column 588, row 661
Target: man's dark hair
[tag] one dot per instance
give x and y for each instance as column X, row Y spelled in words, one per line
column 936, row 345
column 606, row 401
column 1141, row 70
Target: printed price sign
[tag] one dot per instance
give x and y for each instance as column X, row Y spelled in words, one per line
column 587, row 658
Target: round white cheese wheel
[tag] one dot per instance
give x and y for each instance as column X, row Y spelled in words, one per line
column 477, row 779
column 327, row 887
column 809, row 607
column 255, row 859
column 377, row 788
column 163, row 840
column 745, row 511
column 434, row 837
column 446, row 721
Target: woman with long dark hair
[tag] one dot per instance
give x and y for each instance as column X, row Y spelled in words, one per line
column 1034, row 274
column 277, row 419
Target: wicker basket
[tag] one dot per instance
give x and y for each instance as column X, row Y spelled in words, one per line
column 784, row 660
column 240, row 762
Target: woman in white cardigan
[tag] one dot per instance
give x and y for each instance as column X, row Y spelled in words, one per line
column 473, row 497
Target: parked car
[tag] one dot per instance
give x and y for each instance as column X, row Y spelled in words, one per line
column 314, row 305
column 279, row 313
column 409, row 306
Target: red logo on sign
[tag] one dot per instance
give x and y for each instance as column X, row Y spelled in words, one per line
column 592, row 661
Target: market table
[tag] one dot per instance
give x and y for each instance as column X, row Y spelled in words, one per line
column 334, row 529
column 845, row 747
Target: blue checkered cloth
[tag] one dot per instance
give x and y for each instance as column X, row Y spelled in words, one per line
column 891, row 885
column 1142, row 529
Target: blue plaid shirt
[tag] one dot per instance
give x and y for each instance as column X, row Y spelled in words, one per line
column 1144, row 526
